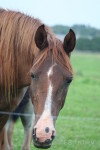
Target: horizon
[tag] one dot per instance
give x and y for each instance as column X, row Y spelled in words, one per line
column 75, row 25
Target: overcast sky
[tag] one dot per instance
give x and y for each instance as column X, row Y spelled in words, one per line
column 65, row 12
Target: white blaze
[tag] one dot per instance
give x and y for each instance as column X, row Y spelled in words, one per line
column 50, row 71
column 48, row 99
column 46, row 119
column 47, row 107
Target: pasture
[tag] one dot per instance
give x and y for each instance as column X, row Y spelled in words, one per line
column 78, row 125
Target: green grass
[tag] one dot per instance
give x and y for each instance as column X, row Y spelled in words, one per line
column 78, row 125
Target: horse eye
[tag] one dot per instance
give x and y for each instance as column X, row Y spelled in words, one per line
column 69, row 81
column 32, row 75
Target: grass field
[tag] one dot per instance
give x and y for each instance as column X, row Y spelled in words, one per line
column 78, row 125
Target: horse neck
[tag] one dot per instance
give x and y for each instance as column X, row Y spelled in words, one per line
column 24, row 66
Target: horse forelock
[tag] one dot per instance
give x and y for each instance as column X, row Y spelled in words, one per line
column 58, row 54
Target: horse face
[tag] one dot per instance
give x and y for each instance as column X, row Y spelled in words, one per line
column 49, row 86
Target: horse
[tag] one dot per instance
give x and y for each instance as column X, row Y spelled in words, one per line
column 25, row 112
column 32, row 55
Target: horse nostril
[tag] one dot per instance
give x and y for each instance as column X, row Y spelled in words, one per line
column 34, row 132
column 53, row 133
column 47, row 129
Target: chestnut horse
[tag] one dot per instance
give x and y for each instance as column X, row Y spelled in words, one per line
column 30, row 54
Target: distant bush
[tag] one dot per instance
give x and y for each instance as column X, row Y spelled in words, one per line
column 88, row 44
column 60, row 29
column 88, row 37
column 80, row 30
column 86, row 31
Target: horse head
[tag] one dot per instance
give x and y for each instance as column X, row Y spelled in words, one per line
column 51, row 75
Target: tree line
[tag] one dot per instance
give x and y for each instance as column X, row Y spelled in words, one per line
column 88, row 38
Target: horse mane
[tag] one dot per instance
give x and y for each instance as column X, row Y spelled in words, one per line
column 17, row 32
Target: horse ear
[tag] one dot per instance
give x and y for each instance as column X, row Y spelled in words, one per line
column 69, row 42
column 41, row 38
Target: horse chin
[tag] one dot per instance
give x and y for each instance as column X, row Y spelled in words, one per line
column 42, row 146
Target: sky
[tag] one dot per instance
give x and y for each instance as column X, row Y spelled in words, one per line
column 65, row 12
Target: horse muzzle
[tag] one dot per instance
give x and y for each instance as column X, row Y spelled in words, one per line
column 43, row 142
